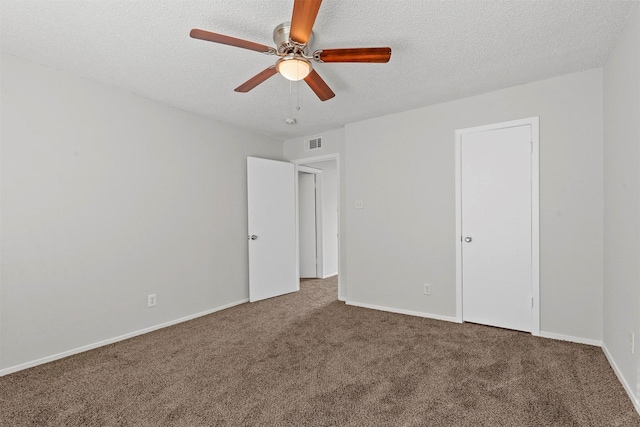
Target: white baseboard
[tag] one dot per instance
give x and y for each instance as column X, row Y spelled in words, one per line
column 634, row 399
column 326, row 276
column 401, row 311
column 577, row 340
column 22, row 366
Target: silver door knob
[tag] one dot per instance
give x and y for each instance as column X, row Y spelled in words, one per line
column 468, row 239
column 253, row 237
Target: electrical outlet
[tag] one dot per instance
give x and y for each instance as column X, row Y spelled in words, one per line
column 359, row 204
column 632, row 341
column 427, row 289
column 151, row 300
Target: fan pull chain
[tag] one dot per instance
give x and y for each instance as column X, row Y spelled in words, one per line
column 291, row 120
column 290, row 99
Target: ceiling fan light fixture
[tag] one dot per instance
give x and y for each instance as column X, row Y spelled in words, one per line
column 293, row 68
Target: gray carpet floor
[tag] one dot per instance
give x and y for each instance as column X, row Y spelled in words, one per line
column 306, row 359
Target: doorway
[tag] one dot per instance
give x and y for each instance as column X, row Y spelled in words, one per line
column 326, row 174
column 310, row 230
column 497, row 225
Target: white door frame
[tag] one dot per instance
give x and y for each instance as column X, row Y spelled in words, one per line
column 308, row 160
column 318, row 216
column 535, row 213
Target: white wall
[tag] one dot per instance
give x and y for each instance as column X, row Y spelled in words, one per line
column 622, row 203
column 333, row 143
column 108, row 197
column 402, row 167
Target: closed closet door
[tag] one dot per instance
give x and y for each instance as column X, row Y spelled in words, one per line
column 496, row 216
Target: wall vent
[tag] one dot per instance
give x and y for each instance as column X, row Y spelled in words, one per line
column 313, row 144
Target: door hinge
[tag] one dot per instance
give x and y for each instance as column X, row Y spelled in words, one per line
column 531, row 142
column 531, row 302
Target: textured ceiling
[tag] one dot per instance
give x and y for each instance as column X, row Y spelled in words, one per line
column 442, row 50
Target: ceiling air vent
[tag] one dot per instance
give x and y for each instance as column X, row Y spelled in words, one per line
column 313, row 144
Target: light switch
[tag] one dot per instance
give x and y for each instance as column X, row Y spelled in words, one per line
column 359, row 204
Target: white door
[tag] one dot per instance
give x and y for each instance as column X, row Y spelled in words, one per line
column 496, row 214
column 307, row 224
column 272, row 234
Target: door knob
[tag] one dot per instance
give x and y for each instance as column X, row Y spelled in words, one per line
column 253, row 237
column 468, row 239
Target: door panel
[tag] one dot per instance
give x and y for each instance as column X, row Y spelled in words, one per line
column 307, row 224
column 496, row 217
column 271, row 212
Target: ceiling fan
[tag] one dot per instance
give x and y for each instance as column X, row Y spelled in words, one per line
column 292, row 46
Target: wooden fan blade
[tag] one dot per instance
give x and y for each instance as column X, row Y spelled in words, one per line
column 319, row 86
column 304, row 15
column 362, row 54
column 257, row 79
column 231, row 41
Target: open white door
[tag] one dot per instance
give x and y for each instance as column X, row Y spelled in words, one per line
column 272, row 233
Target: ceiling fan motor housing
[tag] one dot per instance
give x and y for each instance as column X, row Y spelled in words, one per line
column 285, row 45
